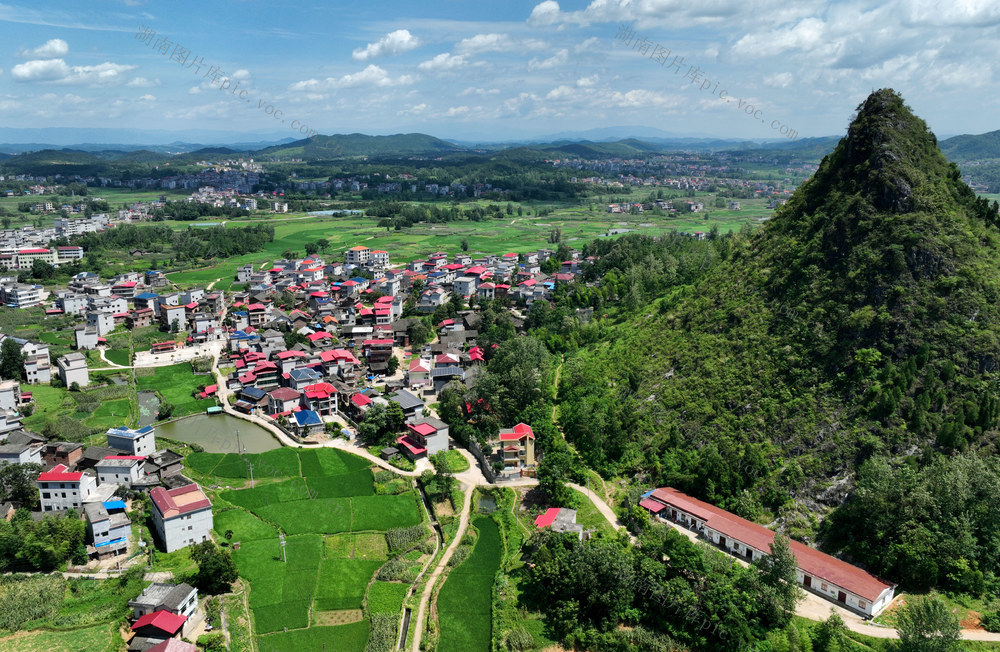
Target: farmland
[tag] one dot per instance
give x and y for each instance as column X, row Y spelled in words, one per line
column 464, row 603
column 175, row 384
column 314, row 590
column 575, row 223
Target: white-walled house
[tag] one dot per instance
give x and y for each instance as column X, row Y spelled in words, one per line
column 181, row 516
column 59, row 488
column 829, row 577
column 120, row 469
column 136, row 442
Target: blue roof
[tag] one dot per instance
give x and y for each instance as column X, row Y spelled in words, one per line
column 648, row 493
column 307, row 418
column 254, row 392
column 303, row 373
column 359, row 279
column 114, row 504
column 145, row 429
column 147, row 295
column 108, row 543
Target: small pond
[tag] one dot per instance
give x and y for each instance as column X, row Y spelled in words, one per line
column 217, row 433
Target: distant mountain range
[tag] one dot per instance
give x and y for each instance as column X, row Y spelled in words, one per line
column 39, row 156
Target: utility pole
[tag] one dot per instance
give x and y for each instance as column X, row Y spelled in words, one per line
column 281, row 542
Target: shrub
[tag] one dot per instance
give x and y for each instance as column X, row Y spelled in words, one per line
column 394, row 570
column 383, row 633
column 402, row 538
column 461, row 553
column 990, row 621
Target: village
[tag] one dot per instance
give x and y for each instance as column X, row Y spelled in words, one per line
column 306, row 348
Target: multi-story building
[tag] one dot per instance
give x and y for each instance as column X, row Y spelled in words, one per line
column 378, row 258
column 10, row 395
column 107, row 532
column 20, row 295
column 140, row 442
column 120, row 469
column 358, row 255
column 517, row 446
column 73, row 369
column 181, row 516
column 60, row 488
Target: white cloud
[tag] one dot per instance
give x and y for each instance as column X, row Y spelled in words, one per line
column 806, row 35
column 558, row 59
column 472, row 90
column 194, row 90
column 545, row 13
column 148, row 98
column 40, row 70
column 240, row 74
column 561, row 93
column 587, row 46
column 51, row 49
column 585, row 82
column 56, row 71
column 456, row 111
column 443, row 61
column 778, row 80
column 142, row 82
column 371, row 76
column 485, row 43
column 392, row 43
column 643, row 98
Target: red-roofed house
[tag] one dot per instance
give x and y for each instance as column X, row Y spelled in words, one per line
column 517, row 446
column 282, row 399
column 59, row 488
column 425, row 437
column 159, row 625
column 447, row 360
column 831, row 578
column 181, row 516
column 419, row 372
column 321, row 398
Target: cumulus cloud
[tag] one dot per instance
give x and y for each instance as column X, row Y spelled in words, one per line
column 473, row 90
column 56, row 71
column 142, row 82
column 392, row 43
column 371, row 76
column 545, row 13
column 51, row 49
column 443, row 61
column 556, row 60
column 147, row 97
column 485, row 43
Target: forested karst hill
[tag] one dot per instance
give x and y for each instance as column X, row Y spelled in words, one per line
column 861, row 320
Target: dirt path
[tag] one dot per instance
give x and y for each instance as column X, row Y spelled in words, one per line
column 425, row 598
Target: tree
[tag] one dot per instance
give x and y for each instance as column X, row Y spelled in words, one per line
column 74, row 386
column 11, row 360
column 165, row 411
column 17, row 483
column 926, row 625
column 175, row 326
column 418, row 332
column 393, row 364
column 216, row 568
column 229, row 535
column 323, row 244
column 830, row 635
column 464, row 244
column 311, row 248
column 553, row 471
column 778, row 586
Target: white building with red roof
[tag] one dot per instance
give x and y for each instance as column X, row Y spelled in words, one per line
column 419, row 372
column 59, row 488
column 827, row 576
column 181, row 516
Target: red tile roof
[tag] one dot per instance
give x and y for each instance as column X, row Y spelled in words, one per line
column 360, row 400
column 424, row 429
column 547, row 518
column 810, row 561
column 59, row 473
column 518, row 432
column 182, row 500
column 411, row 445
column 163, row 620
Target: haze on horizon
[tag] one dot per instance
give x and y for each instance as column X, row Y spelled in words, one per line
column 495, row 71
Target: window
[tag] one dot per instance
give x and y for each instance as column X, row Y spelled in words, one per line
column 862, row 604
column 45, row 495
column 823, row 586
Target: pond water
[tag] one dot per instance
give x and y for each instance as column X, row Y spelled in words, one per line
column 487, row 505
column 217, row 433
column 149, row 405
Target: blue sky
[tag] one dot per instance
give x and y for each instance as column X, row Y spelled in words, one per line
column 471, row 69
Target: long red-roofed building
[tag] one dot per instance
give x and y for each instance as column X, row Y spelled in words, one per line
column 829, row 577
